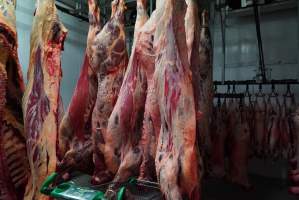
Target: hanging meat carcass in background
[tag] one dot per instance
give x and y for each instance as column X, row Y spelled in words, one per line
column 218, row 140
column 270, row 124
column 14, row 166
column 273, row 126
column 204, row 84
column 176, row 150
column 260, row 134
column 294, row 172
column 75, row 127
column 285, row 143
column 288, row 137
column 239, row 144
column 109, row 61
column 41, row 101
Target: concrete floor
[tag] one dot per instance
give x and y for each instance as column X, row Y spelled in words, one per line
column 264, row 189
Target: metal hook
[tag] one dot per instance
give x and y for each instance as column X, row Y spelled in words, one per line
column 260, row 91
column 273, row 88
column 219, row 102
column 273, row 92
column 228, row 89
column 288, row 93
column 247, row 93
column 234, row 89
column 260, row 87
column 215, row 88
column 241, row 102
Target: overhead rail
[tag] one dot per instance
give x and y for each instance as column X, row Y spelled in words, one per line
column 254, row 82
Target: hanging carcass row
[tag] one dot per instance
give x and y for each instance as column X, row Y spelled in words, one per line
column 42, row 102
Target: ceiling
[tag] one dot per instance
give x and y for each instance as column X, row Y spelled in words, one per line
column 79, row 8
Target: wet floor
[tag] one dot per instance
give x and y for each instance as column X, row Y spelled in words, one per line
column 264, row 189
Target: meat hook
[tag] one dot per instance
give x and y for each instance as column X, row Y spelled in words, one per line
column 273, row 92
column 228, row 89
column 289, row 93
column 234, row 89
column 260, row 91
column 219, row 102
column 215, row 89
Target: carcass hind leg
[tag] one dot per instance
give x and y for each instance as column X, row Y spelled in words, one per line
column 168, row 176
column 189, row 174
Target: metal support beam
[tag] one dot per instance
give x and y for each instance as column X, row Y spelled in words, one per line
column 259, row 40
column 254, row 82
column 223, row 31
column 71, row 12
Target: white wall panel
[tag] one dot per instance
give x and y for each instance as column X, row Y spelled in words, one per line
column 280, row 41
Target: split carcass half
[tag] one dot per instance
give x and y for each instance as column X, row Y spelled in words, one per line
column 176, row 150
column 42, row 101
column 294, row 173
column 121, row 151
column 219, row 134
column 14, row 167
column 75, row 150
column 260, row 134
column 239, row 149
column 274, row 131
column 109, row 61
column 200, row 56
column 144, row 107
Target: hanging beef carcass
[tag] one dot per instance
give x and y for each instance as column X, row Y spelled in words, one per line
column 250, row 117
column 75, row 147
column 200, row 56
column 206, row 81
column 294, row 136
column 14, row 167
column 288, row 135
column 151, row 118
column 232, row 119
column 176, row 149
column 125, row 123
column 109, row 60
column 218, row 140
column 273, row 129
column 285, row 141
column 260, row 134
column 139, row 80
column 294, row 173
column 41, row 101
column 142, row 63
column 239, row 149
